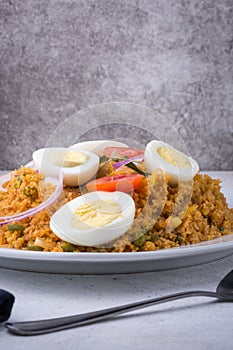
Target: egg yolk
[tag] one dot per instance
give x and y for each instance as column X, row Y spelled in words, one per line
column 96, row 214
column 174, row 157
column 74, row 158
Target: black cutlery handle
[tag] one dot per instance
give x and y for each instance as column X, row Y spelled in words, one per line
column 6, row 303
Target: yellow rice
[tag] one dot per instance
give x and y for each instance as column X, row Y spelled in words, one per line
column 165, row 216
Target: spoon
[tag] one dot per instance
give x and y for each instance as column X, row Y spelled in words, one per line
column 224, row 292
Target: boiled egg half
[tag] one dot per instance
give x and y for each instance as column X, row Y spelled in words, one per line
column 98, row 146
column 94, row 218
column 78, row 166
column 176, row 164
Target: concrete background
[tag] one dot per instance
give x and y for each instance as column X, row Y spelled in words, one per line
column 58, row 57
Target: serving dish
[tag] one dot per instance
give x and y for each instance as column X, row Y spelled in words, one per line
column 109, row 263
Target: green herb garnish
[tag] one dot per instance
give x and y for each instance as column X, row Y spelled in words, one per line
column 20, row 234
column 179, row 239
column 154, row 237
column 34, row 247
column 68, row 247
column 19, row 182
column 140, row 241
column 15, row 227
column 131, row 165
column 30, row 191
column 103, row 159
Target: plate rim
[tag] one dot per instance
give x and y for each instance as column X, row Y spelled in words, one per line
column 160, row 254
column 115, row 260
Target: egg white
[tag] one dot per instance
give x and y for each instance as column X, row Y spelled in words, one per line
column 176, row 173
column 61, row 221
column 49, row 163
column 98, row 146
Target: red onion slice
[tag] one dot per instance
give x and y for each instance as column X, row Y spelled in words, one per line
column 58, row 182
column 129, row 160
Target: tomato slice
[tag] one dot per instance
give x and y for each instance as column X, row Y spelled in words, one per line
column 124, row 183
column 121, row 152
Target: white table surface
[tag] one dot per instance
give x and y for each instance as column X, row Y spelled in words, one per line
column 195, row 323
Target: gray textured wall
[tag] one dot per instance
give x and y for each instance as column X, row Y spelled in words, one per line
column 58, row 57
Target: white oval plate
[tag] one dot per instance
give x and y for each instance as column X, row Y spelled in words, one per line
column 109, row 263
